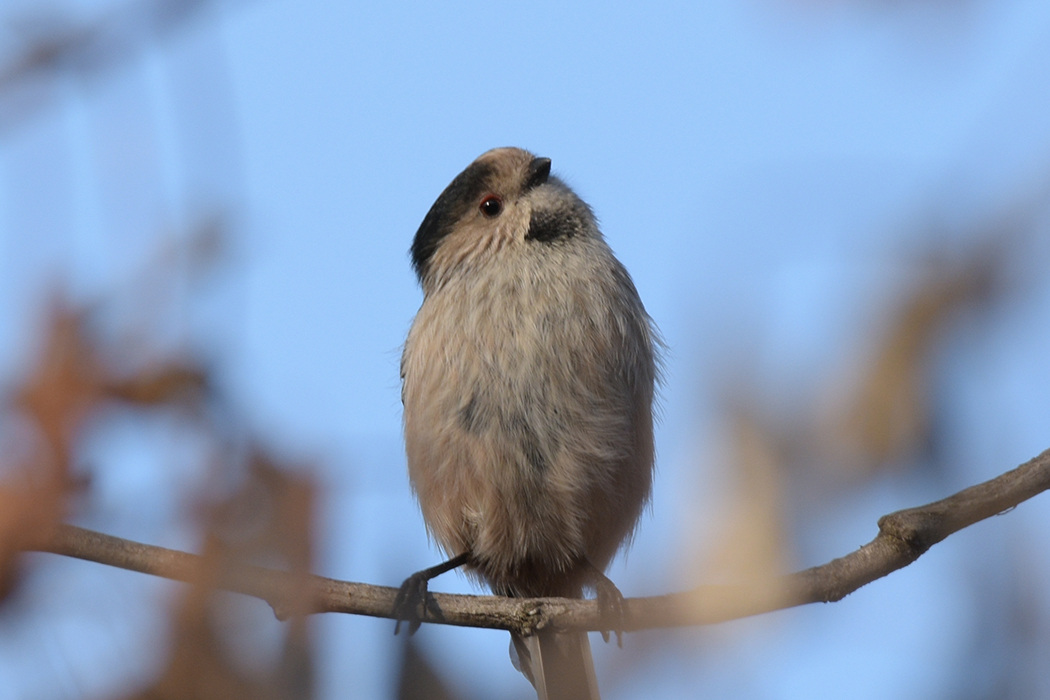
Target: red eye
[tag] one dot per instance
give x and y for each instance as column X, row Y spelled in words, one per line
column 491, row 206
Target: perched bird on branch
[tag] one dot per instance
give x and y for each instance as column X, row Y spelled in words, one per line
column 528, row 379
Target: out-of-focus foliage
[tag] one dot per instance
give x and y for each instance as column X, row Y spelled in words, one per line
column 50, row 409
column 267, row 520
column 886, row 415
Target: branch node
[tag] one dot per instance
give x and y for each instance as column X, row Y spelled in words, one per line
column 530, row 618
column 911, row 532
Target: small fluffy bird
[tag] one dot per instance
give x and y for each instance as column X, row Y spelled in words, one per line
column 528, row 379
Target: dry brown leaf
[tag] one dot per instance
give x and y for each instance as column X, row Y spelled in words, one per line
column 68, row 384
column 267, row 521
column 751, row 546
column 888, row 415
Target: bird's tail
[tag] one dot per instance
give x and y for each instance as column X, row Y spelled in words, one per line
column 558, row 664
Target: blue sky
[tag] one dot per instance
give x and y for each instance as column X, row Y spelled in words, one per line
column 766, row 170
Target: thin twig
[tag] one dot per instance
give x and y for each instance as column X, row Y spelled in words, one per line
column 903, row 537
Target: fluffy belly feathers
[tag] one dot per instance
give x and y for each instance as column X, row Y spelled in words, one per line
column 532, row 460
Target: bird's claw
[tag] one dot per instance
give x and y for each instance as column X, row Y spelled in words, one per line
column 611, row 608
column 412, row 602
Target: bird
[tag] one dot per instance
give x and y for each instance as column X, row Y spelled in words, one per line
column 529, row 377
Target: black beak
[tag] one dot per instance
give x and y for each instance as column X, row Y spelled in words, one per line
column 539, row 171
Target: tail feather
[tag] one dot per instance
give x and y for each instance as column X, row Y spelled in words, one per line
column 558, row 664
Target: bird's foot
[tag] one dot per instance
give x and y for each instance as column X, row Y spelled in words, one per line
column 413, row 602
column 611, row 606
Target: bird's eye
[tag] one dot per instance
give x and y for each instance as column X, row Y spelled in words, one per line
column 491, row 206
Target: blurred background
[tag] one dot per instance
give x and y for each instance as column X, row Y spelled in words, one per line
column 836, row 211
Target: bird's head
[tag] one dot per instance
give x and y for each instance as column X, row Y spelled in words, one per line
column 506, row 199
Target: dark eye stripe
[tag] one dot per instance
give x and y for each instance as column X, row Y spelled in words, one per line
column 457, row 199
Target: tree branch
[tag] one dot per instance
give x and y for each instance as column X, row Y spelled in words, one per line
column 903, row 537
